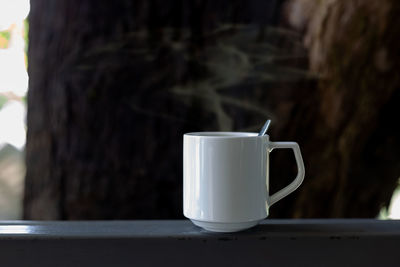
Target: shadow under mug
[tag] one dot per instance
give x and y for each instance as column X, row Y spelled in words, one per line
column 225, row 179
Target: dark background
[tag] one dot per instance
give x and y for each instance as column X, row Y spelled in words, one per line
column 115, row 84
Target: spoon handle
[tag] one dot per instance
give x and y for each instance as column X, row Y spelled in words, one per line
column 264, row 128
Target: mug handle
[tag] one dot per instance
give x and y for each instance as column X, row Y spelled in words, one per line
column 300, row 171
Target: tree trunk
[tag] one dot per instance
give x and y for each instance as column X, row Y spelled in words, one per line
column 114, row 85
column 347, row 126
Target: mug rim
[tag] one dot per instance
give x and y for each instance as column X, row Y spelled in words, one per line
column 218, row 134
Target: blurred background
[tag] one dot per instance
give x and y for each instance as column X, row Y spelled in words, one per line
column 13, row 89
column 113, row 86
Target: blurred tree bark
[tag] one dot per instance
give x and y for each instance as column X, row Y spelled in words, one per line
column 114, row 85
column 347, row 127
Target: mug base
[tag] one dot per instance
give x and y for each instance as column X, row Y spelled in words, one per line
column 225, row 227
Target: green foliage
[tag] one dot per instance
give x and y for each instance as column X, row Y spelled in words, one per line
column 4, row 38
column 26, row 34
column 383, row 214
column 3, row 100
column 6, row 35
column 25, row 99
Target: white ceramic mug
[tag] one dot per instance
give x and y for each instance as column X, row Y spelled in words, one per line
column 225, row 179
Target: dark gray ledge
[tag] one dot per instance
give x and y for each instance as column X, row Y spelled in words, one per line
column 179, row 243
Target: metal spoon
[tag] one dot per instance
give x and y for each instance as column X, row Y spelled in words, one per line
column 264, row 128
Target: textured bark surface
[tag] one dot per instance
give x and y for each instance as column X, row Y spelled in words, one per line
column 115, row 84
column 351, row 140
